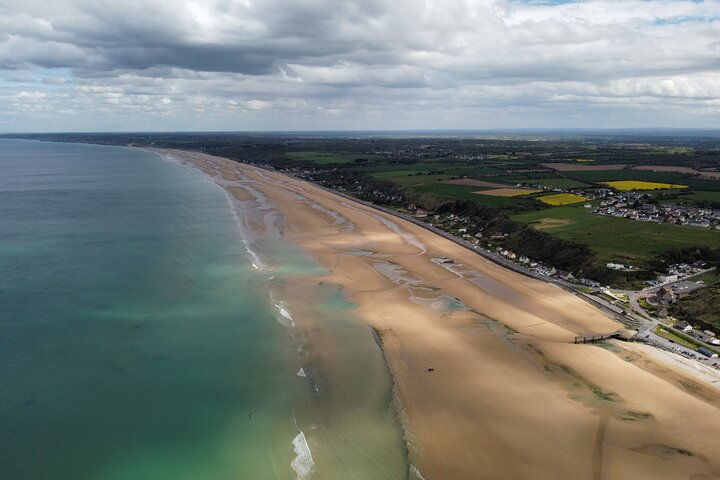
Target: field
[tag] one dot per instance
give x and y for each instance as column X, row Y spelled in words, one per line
column 508, row 192
column 574, row 167
column 708, row 278
column 434, row 166
column 409, row 178
column 562, row 199
column 323, row 158
column 474, row 183
column 557, row 182
column 648, row 176
column 693, row 198
column 468, row 192
column 684, row 170
column 641, row 185
column 617, row 239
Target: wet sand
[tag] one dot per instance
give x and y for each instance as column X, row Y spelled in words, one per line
column 487, row 380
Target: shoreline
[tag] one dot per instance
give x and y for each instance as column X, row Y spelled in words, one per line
column 445, row 362
column 296, row 298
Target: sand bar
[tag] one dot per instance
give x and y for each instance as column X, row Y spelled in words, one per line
column 496, row 389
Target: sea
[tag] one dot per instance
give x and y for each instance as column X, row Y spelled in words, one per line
column 141, row 340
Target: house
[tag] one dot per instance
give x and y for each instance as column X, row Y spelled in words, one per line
column 664, row 296
column 684, row 326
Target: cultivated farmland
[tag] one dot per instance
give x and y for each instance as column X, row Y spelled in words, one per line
column 562, row 199
column 642, row 185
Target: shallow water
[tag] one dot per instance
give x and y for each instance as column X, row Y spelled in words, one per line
column 137, row 341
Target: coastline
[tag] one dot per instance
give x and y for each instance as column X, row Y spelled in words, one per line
column 469, row 345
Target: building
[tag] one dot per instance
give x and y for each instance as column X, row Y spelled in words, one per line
column 684, row 326
column 664, row 296
column 707, row 352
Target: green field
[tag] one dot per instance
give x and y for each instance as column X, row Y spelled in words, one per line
column 617, row 239
column 322, row 158
column 409, row 178
column 558, row 183
column 708, row 278
column 550, row 180
column 454, row 169
column 661, row 177
column 465, row 192
column 691, row 198
column 391, row 174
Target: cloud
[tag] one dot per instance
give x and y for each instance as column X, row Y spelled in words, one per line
column 252, row 64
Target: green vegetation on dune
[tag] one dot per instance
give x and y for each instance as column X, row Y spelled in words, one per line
column 614, row 238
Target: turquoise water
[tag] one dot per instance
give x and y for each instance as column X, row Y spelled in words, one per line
column 137, row 341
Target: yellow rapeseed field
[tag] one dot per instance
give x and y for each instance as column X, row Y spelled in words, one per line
column 640, row 185
column 562, row 199
column 519, row 194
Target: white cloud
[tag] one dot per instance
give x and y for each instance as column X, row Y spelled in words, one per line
column 252, row 64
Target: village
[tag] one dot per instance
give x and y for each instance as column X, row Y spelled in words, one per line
column 640, row 207
column 645, row 310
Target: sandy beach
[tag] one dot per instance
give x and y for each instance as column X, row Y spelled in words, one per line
column 488, row 381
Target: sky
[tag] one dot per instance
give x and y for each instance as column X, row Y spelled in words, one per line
column 211, row 65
